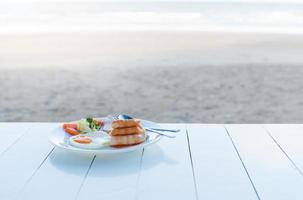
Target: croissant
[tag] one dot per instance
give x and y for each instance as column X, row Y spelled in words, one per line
column 126, row 131
column 125, row 123
column 126, row 140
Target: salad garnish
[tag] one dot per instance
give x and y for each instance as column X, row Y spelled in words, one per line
column 83, row 126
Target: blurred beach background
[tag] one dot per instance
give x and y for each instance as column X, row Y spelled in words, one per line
column 200, row 61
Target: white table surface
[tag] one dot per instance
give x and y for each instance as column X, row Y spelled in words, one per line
column 204, row 162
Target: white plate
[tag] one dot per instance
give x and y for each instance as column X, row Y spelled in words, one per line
column 61, row 139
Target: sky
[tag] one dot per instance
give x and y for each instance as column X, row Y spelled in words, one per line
column 95, row 15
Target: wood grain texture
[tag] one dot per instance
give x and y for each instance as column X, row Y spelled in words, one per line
column 290, row 139
column 218, row 170
column 166, row 171
column 271, row 171
column 20, row 163
column 206, row 162
column 60, row 177
column 112, row 177
column 10, row 133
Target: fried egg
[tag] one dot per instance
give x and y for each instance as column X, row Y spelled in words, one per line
column 88, row 141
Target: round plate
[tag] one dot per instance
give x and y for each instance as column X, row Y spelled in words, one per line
column 61, row 139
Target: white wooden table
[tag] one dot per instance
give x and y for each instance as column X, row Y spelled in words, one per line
column 204, row 162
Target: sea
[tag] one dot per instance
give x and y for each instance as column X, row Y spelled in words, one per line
column 92, row 15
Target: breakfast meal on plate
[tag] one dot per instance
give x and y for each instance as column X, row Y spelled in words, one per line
column 89, row 133
column 126, row 133
column 83, row 126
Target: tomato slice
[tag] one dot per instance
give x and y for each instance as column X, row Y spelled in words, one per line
column 100, row 122
column 71, row 131
column 70, row 125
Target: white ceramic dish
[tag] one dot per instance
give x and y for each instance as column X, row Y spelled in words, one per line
column 61, row 139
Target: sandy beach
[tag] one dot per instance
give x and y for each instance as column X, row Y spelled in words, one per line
column 163, row 76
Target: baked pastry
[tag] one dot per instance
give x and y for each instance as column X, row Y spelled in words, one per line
column 126, row 133
column 127, row 140
column 125, row 123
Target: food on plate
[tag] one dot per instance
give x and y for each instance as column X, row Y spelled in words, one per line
column 72, row 131
column 89, row 125
column 127, row 140
column 126, row 133
column 125, row 123
column 88, row 142
column 70, row 125
column 83, row 139
column 83, row 126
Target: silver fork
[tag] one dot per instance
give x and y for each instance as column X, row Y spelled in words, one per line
column 160, row 133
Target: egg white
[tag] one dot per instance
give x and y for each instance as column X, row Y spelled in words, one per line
column 97, row 142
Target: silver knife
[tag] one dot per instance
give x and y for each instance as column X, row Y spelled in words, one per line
column 164, row 129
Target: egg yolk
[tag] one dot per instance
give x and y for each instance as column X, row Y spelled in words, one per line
column 83, row 139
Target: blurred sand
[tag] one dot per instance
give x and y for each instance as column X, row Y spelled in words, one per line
column 162, row 76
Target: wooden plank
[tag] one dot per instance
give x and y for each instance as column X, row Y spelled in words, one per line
column 290, row 139
column 112, row 177
column 23, row 159
column 218, row 170
column 270, row 170
column 10, row 133
column 60, row 177
column 166, row 171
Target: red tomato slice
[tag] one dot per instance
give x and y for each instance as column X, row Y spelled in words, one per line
column 70, row 125
column 71, row 131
